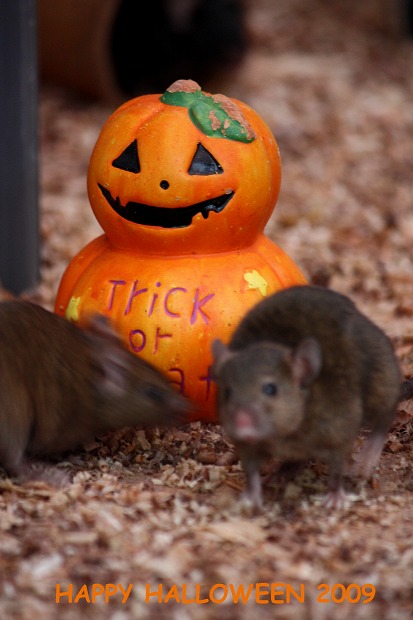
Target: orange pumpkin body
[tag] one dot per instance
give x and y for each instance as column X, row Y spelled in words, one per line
column 183, row 208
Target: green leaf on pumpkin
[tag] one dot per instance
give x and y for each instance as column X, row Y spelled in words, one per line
column 209, row 115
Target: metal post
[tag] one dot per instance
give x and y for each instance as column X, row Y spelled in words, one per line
column 19, row 234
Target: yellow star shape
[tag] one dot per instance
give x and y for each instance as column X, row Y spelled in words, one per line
column 72, row 313
column 256, row 281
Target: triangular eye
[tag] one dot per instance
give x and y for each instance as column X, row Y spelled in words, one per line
column 203, row 163
column 128, row 160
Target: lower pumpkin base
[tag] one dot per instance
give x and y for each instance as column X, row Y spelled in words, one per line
column 168, row 310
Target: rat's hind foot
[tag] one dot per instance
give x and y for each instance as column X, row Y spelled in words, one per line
column 368, row 457
column 335, row 499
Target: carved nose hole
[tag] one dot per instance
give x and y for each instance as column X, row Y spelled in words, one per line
column 164, row 184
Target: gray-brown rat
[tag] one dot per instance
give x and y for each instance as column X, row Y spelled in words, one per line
column 304, row 372
column 61, row 385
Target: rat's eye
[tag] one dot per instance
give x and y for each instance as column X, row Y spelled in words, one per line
column 269, row 389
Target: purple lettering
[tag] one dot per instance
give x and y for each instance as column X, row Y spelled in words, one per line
column 158, row 336
column 181, row 382
column 132, row 296
column 208, row 380
column 198, row 305
column 112, row 295
column 168, row 311
column 133, row 346
column 154, row 298
column 151, row 307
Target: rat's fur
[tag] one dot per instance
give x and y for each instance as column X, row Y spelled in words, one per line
column 304, row 372
column 60, row 385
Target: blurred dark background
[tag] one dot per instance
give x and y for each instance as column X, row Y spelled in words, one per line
column 117, row 49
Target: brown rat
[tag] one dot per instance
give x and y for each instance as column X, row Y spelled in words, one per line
column 304, row 372
column 61, row 385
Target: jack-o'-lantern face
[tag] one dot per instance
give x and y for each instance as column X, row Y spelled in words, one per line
column 184, row 173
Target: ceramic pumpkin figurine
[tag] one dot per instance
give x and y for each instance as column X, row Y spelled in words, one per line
column 182, row 184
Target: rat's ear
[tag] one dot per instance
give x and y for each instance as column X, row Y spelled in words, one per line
column 307, row 361
column 220, row 353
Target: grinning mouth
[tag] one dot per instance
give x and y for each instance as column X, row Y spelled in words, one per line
column 163, row 217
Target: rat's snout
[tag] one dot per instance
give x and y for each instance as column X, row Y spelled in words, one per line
column 246, row 426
